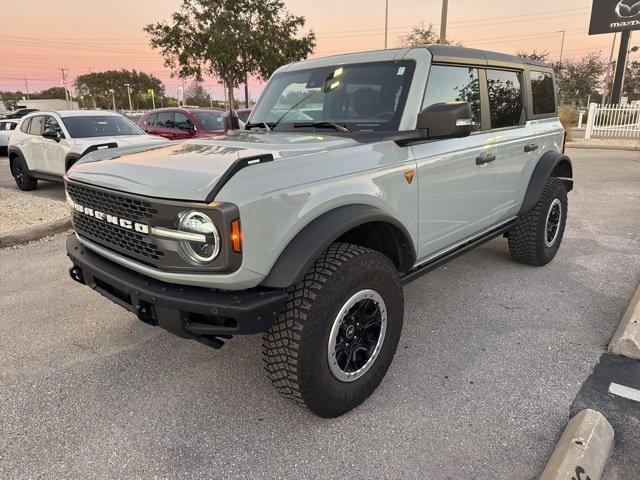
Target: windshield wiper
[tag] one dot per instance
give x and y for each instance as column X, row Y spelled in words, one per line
column 267, row 126
column 322, row 124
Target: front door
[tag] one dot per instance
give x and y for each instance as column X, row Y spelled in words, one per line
column 54, row 152
column 456, row 176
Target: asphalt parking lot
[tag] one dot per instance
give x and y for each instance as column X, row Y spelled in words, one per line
column 50, row 190
column 492, row 357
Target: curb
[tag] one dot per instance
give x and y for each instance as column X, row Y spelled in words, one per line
column 583, row 449
column 588, row 146
column 626, row 340
column 35, row 233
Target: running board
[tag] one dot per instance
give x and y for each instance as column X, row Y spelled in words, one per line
column 461, row 250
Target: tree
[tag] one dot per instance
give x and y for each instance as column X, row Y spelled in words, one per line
column 230, row 40
column 579, row 79
column 422, row 34
column 632, row 81
column 542, row 56
column 53, row 92
column 196, row 95
column 96, row 86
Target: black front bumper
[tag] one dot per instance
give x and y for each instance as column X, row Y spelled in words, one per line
column 192, row 312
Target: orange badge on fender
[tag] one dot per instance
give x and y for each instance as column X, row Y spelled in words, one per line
column 409, row 176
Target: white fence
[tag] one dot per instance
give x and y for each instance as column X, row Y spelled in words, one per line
column 617, row 121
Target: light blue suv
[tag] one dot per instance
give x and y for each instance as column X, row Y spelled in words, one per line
column 354, row 175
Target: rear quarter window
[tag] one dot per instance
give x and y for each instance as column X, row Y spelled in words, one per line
column 543, row 93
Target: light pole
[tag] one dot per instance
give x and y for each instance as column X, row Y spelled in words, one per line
column 564, row 33
column 443, row 22
column 211, row 96
column 386, row 23
column 113, row 98
column 129, row 94
column 153, row 97
column 83, row 105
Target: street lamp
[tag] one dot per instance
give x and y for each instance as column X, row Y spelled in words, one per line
column 129, row 94
column 113, row 98
column 443, row 22
column 153, row 97
column 386, row 23
column 564, row 34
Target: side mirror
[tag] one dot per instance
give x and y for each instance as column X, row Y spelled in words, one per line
column 446, row 120
column 231, row 121
column 51, row 135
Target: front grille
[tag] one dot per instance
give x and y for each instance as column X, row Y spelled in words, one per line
column 114, row 237
column 112, row 203
column 129, row 242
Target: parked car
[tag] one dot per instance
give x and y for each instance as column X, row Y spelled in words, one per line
column 46, row 143
column 305, row 229
column 183, row 123
column 243, row 114
column 20, row 113
column 6, row 129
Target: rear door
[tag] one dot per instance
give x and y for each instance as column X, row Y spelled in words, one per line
column 515, row 137
column 456, row 176
column 34, row 145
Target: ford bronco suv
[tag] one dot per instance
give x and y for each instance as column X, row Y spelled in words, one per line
column 354, row 175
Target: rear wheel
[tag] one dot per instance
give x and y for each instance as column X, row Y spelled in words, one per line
column 537, row 235
column 20, row 173
column 333, row 344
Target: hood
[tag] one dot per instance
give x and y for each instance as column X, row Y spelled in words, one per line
column 190, row 170
column 124, row 140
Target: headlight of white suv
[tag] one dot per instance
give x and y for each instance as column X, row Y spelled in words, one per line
column 205, row 246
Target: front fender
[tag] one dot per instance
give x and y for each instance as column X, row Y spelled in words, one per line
column 318, row 235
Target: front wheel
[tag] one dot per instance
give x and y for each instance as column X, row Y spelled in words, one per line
column 536, row 237
column 333, row 344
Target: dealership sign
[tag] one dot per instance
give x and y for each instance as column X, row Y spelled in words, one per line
column 608, row 16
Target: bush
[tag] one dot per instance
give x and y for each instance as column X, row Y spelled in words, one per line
column 568, row 116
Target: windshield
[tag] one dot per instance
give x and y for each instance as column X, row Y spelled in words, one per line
column 210, row 120
column 361, row 97
column 100, row 126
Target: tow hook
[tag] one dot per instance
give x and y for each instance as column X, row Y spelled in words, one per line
column 145, row 314
column 76, row 274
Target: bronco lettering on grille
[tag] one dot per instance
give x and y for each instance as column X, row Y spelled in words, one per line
column 121, row 222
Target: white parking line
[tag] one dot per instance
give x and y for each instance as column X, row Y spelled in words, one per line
column 625, row 392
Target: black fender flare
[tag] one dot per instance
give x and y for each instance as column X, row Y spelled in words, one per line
column 298, row 256
column 72, row 158
column 549, row 163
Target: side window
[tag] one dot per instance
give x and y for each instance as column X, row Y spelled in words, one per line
column 181, row 120
column 454, row 84
column 152, row 120
column 12, row 126
column 4, row 126
column 26, row 125
column 37, row 124
column 165, row 119
column 544, row 100
column 505, row 98
column 52, row 125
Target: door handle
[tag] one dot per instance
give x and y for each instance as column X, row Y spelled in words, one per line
column 484, row 159
column 530, row 147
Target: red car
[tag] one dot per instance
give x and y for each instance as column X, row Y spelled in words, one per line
column 183, row 123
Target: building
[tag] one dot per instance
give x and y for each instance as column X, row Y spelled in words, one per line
column 47, row 104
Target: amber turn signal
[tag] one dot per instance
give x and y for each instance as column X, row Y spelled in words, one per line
column 236, row 236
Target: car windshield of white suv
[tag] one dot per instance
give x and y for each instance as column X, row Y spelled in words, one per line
column 100, row 126
column 364, row 97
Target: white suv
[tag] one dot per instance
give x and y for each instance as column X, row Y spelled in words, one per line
column 46, row 143
column 6, row 129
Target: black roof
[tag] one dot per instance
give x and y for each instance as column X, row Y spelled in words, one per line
column 451, row 54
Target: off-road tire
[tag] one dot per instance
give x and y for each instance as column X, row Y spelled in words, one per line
column 527, row 238
column 295, row 349
column 20, row 173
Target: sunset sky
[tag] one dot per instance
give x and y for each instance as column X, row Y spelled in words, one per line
column 39, row 36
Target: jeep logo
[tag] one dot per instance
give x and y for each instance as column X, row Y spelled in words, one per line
column 113, row 220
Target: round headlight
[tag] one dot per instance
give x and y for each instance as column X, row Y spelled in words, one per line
column 199, row 252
